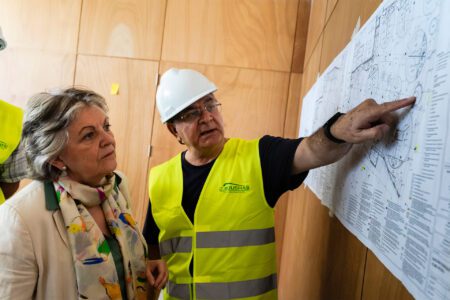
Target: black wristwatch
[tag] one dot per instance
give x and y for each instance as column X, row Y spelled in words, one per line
column 327, row 128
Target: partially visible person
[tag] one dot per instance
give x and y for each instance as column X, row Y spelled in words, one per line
column 12, row 160
column 212, row 205
column 70, row 233
column 13, row 164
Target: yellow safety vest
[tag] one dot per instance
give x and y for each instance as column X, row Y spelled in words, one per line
column 232, row 240
column 10, row 132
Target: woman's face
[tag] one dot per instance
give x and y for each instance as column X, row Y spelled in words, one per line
column 90, row 151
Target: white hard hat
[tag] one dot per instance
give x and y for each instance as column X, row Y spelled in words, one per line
column 178, row 89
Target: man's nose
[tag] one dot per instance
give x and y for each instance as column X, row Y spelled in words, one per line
column 205, row 115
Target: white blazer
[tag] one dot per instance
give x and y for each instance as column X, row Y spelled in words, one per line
column 35, row 258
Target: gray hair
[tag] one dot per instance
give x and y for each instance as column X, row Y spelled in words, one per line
column 47, row 117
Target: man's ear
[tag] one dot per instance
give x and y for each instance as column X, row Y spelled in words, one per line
column 172, row 129
column 58, row 163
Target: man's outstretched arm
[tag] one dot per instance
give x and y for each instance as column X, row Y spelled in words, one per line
column 366, row 122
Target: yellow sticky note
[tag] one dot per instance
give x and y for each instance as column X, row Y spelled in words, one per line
column 115, row 89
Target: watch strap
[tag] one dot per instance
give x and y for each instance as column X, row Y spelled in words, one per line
column 327, row 128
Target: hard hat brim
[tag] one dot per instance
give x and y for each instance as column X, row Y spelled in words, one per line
column 191, row 101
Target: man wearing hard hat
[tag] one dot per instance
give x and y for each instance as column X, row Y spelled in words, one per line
column 12, row 161
column 212, row 205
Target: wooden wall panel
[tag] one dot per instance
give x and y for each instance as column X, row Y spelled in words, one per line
column 331, row 4
column 254, row 100
column 125, row 28
column 302, row 274
column 315, row 26
column 41, row 24
column 344, row 264
column 320, row 258
column 25, row 72
column 301, row 32
column 41, row 49
column 339, row 30
column 312, row 68
column 131, row 113
column 368, row 8
column 379, row 283
column 291, row 124
column 243, row 33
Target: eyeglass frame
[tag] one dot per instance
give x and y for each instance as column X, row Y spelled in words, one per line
column 195, row 113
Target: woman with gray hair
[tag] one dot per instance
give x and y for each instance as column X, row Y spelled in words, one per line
column 70, row 233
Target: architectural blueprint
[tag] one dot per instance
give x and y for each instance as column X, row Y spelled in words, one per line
column 394, row 195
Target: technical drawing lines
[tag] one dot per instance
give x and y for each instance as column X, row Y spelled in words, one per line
column 416, row 55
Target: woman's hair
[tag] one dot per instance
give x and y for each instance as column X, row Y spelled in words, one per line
column 47, row 117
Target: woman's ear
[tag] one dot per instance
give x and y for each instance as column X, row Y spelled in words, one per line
column 59, row 164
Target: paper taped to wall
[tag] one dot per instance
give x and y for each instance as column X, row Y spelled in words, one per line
column 394, row 195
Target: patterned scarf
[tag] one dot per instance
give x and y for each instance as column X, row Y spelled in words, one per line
column 94, row 264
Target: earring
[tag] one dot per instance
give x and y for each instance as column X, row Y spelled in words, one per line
column 64, row 168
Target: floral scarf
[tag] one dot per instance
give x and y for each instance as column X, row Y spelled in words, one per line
column 93, row 261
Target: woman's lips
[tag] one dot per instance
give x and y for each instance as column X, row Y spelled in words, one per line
column 109, row 154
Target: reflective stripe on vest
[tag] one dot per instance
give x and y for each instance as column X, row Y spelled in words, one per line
column 240, row 238
column 177, row 244
column 225, row 290
column 178, row 290
column 237, row 289
column 218, row 239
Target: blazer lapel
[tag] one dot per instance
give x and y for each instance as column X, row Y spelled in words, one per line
column 51, row 203
column 59, row 222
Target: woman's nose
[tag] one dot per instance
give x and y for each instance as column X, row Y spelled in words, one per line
column 107, row 138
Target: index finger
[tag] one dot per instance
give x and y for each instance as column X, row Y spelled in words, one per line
column 150, row 278
column 159, row 278
column 397, row 104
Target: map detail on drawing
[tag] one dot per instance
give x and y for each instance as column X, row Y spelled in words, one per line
column 394, row 195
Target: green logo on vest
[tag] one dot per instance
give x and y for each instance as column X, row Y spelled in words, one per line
column 229, row 187
column 3, row 145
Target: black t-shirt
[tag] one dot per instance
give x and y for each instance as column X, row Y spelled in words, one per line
column 276, row 155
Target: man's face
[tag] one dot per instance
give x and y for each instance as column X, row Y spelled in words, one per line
column 200, row 126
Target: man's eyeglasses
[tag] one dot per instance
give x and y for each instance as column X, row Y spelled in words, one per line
column 194, row 114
